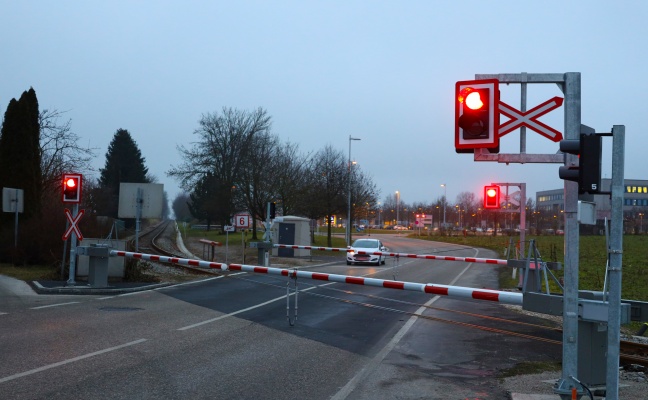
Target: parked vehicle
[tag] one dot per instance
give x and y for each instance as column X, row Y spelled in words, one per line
column 361, row 252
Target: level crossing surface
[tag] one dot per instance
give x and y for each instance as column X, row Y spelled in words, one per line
column 228, row 337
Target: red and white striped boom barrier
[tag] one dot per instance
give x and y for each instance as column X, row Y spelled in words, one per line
column 210, row 242
column 404, row 255
column 458, row 292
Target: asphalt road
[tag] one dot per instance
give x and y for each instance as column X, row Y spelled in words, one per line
column 229, row 338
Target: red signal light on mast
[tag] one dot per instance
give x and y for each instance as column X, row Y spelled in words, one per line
column 477, row 115
column 491, row 197
column 471, row 98
column 72, row 188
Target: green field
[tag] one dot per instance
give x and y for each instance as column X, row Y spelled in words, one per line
column 591, row 262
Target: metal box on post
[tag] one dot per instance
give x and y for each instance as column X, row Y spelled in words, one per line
column 98, row 265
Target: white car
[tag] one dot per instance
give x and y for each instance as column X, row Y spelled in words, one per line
column 361, row 251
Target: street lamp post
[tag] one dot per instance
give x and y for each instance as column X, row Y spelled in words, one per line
column 348, row 227
column 641, row 223
column 397, row 206
column 445, row 200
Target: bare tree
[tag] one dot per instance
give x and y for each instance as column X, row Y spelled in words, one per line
column 256, row 184
column 327, row 183
column 291, row 179
column 222, row 150
column 60, row 151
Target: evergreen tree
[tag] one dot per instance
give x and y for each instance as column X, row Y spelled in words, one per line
column 180, row 207
column 20, row 156
column 124, row 163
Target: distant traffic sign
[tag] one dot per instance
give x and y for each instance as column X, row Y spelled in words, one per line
column 242, row 221
column 229, row 228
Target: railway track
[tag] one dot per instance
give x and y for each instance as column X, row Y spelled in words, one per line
column 634, row 353
column 159, row 240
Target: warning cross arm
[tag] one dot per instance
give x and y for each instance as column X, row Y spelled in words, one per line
column 530, row 119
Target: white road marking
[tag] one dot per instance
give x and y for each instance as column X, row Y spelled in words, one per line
column 160, row 288
column 377, row 360
column 53, row 305
column 234, row 313
column 258, row 305
column 71, row 360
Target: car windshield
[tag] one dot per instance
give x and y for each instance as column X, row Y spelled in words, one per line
column 364, row 243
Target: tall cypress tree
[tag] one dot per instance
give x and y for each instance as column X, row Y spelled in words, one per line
column 20, row 157
column 124, row 163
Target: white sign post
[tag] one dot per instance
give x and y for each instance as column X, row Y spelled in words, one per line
column 228, row 229
column 12, row 201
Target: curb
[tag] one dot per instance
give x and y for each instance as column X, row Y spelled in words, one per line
column 86, row 289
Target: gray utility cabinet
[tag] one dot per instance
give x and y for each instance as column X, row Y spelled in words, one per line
column 291, row 230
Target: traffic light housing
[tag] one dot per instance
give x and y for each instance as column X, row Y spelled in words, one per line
column 476, row 115
column 272, row 210
column 588, row 172
column 72, row 184
column 491, row 197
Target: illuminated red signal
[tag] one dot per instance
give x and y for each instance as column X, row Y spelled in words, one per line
column 477, row 115
column 72, row 188
column 491, row 197
column 474, row 101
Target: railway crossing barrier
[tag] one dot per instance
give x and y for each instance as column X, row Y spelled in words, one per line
column 591, row 312
column 209, row 247
column 458, row 292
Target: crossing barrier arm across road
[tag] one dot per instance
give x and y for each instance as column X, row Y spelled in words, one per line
column 404, row 255
column 458, row 292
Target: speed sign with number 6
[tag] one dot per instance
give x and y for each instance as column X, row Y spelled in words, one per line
column 242, row 221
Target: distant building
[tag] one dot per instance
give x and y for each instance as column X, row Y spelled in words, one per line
column 635, row 203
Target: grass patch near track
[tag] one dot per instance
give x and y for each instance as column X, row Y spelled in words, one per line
column 31, row 272
column 592, row 259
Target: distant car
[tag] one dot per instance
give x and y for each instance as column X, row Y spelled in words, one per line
column 361, row 252
column 560, row 232
column 399, row 228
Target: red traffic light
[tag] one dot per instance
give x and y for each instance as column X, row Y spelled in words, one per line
column 71, row 183
column 477, row 115
column 491, row 197
column 471, row 98
column 72, row 188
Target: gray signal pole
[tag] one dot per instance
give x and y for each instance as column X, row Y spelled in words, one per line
column 572, row 91
column 570, row 84
column 615, row 253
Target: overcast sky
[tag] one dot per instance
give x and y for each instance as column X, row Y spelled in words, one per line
column 381, row 71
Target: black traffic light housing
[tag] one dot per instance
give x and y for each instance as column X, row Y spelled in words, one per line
column 491, row 197
column 588, row 172
column 72, row 184
column 272, row 210
column 477, row 115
